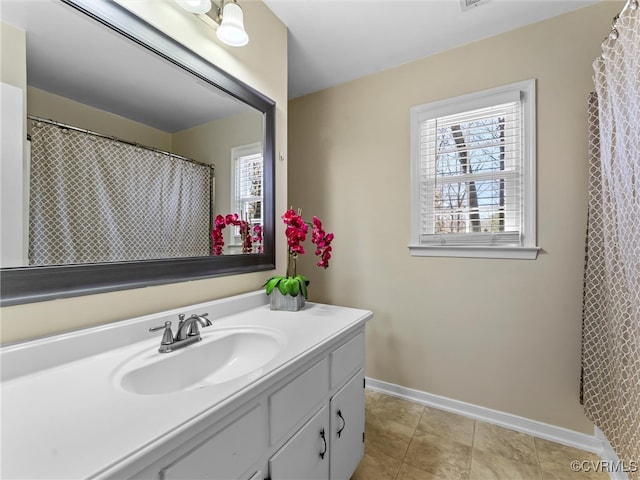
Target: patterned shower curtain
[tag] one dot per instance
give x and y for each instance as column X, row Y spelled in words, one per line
column 611, row 311
column 95, row 199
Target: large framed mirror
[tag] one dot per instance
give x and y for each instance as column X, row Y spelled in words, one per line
column 95, row 61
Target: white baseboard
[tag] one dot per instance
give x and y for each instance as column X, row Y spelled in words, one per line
column 611, row 457
column 590, row 443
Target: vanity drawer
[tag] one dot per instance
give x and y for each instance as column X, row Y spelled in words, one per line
column 346, row 360
column 227, row 454
column 294, row 402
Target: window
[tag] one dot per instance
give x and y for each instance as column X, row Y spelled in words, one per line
column 473, row 175
column 246, row 185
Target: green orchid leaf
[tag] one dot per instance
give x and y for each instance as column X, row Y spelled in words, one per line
column 283, row 286
column 302, row 282
column 287, row 285
column 271, row 284
column 294, row 287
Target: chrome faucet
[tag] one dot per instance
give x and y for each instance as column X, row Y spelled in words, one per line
column 189, row 327
column 186, row 334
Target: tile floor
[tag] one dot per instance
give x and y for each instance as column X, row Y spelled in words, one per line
column 408, row 441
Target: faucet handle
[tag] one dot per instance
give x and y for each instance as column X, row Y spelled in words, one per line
column 167, row 336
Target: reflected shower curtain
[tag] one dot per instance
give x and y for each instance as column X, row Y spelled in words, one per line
column 94, row 199
column 611, row 311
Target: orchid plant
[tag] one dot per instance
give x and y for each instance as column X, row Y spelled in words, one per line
column 292, row 283
column 250, row 236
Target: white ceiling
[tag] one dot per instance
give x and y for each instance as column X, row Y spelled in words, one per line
column 330, row 42
column 334, row 41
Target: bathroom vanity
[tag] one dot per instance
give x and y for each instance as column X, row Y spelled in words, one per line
column 265, row 394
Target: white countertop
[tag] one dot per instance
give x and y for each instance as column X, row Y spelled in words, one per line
column 74, row 421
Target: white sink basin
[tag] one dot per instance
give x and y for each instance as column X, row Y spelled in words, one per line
column 223, row 355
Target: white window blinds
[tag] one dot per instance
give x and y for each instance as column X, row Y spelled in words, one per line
column 247, row 186
column 471, row 177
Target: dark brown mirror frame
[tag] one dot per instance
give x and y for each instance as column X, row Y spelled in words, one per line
column 35, row 284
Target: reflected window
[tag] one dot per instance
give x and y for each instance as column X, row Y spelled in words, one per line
column 247, row 183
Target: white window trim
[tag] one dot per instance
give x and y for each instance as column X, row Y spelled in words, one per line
column 528, row 250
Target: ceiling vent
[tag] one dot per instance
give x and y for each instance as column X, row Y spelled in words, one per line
column 470, row 4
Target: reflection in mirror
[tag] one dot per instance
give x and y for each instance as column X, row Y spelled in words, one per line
column 132, row 157
column 94, row 197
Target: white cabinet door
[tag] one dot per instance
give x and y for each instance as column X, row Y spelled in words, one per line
column 347, row 428
column 306, row 455
column 227, row 455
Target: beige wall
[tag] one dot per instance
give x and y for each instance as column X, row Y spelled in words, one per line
column 13, row 69
column 263, row 65
column 212, row 143
column 504, row 334
column 13, row 60
column 61, row 109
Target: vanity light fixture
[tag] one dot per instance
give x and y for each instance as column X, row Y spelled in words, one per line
column 195, row 6
column 227, row 17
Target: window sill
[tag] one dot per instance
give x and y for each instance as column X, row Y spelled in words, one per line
column 466, row 251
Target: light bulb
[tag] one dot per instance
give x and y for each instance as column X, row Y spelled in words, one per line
column 195, row 6
column 231, row 30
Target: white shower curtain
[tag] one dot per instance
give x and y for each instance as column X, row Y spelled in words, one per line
column 95, row 199
column 611, row 323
